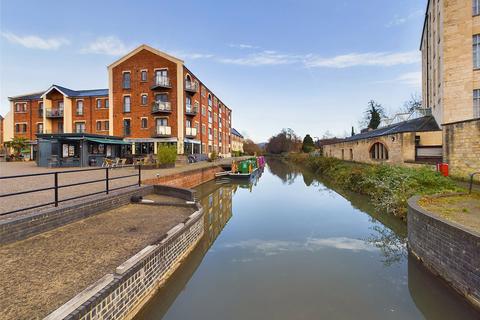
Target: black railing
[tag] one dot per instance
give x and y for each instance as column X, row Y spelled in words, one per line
column 471, row 181
column 56, row 185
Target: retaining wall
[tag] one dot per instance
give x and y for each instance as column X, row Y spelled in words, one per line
column 121, row 295
column 27, row 225
column 447, row 249
column 186, row 179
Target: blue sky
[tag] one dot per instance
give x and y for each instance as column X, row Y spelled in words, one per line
column 308, row 65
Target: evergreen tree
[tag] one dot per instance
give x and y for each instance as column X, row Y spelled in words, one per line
column 374, row 114
column 308, row 144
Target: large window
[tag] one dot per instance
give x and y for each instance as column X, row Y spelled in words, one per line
column 378, row 151
column 476, row 51
column 144, row 123
column 126, row 104
column 476, row 7
column 126, row 127
column 20, row 127
column 476, row 103
column 40, row 109
column 79, row 108
column 20, row 107
column 144, row 99
column 126, row 80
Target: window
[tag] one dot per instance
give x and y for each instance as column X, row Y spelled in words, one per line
column 20, row 127
column 126, row 104
column 351, row 154
column 106, row 103
column 20, row 107
column 210, row 116
column 60, row 105
column 40, row 109
column 161, row 122
column 143, row 75
column 107, row 125
column 161, row 78
column 476, row 7
column 188, row 123
column 204, row 112
column 204, row 129
column 80, row 108
column 144, row 99
column 126, row 127
column 79, row 127
column 144, row 123
column 378, row 151
column 39, row 127
column 210, row 137
column 99, row 103
column 204, row 92
column 209, row 100
column 99, row 125
column 126, row 80
column 476, row 103
column 188, row 102
column 60, row 127
column 476, row 51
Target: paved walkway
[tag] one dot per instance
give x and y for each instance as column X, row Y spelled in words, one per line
column 45, row 181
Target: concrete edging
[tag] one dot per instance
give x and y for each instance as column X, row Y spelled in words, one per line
column 447, row 249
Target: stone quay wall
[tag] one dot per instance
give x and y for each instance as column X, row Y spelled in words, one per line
column 122, row 294
column 462, row 147
column 24, row 226
column 186, row 179
column 447, row 249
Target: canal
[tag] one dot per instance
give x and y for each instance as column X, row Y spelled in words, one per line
column 291, row 246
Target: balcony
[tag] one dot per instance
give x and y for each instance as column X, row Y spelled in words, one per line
column 162, row 131
column 190, row 132
column 54, row 113
column 191, row 111
column 161, row 83
column 191, row 87
column 161, row 106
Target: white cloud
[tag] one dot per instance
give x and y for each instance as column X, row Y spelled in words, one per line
column 110, row 45
column 398, row 20
column 242, row 46
column 383, row 59
column 413, row 79
column 263, row 58
column 191, row 55
column 35, row 42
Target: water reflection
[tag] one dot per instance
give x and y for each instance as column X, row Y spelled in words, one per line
column 300, row 249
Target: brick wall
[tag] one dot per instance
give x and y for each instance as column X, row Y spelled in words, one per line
column 122, row 294
column 187, row 179
column 462, row 147
column 91, row 114
column 25, row 226
column 447, row 249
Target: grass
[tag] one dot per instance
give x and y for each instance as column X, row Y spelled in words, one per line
column 388, row 186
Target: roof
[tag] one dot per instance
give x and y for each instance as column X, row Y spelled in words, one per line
column 424, row 23
column 148, row 48
column 236, row 133
column 66, row 91
column 422, row 124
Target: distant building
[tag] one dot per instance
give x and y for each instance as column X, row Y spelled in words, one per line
column 152, row 99
column 413, row 141
column 450, row 46
column 1, row 131
column 237, row 141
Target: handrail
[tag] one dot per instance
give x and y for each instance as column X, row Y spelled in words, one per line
column 471, row 181
column 56, row 186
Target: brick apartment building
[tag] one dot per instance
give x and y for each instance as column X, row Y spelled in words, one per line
column 152, row 99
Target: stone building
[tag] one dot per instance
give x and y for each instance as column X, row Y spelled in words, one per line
column 450, row 46
column 152, row 99
column 413, row 141
column 237, row 141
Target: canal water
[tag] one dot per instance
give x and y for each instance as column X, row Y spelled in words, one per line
column 291, row 246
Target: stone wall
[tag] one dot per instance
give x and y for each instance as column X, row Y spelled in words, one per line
column 462, row 147
column 24, row 226
column 187, row 179
column 447, row 249
column 122, row 294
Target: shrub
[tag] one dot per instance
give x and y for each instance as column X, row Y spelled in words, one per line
column 166, row 154
column 213, row 156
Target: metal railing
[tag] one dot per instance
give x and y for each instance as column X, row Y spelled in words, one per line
column 56, row 185
column 190, row 132
column 161, row 81
column 191, row 110
column 191, row 86
column 471, row 181
column 161, row 106
column 54, row 113
column 162, row 131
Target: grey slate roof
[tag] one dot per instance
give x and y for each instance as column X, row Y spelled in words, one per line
column 426, row 123
column 235, row 132
column 67, row 91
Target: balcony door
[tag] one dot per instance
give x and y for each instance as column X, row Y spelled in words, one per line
column 161, row 76
column 126, row 127
column 161, row 98
column 161, row 122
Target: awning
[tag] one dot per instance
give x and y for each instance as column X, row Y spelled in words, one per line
column 107, row 141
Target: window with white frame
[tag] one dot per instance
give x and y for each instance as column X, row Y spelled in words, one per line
column 209, row 100
column 106, row 103
column 210, row 119
column 79, row 107
column 476, row 51
column 144, row 99
column 126, row 104
column 20, row 107
column 144, row 123
column 99, row 103
column 79, row 127
column 20, row 127
column 99, row 125
column 40, row 109
column 107, row 125
column 126, row 80
column 143, row 75
column 40, row 127
column 476, row 7
column 476, row 103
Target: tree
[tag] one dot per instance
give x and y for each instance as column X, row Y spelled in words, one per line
column 414, row 103
column 353, row 131
column 308, row 145
column 251, row 148
column 17, row 144
column 374, row 114
column 285, row 141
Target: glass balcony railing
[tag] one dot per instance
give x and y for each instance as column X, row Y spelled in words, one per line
column 162, row 131
column 161, row 106
column 54, row 113
column 191, row 132
column 161, row 82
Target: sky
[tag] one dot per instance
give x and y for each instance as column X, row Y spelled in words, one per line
column 307, row 65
